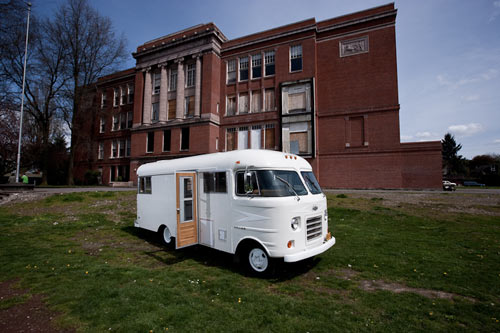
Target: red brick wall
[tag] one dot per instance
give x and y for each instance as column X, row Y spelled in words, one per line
column 210, row 89
column 360, row 170
column 421, row 165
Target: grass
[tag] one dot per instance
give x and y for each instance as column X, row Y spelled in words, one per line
column 82, row 253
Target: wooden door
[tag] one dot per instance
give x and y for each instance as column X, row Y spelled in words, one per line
column 187, row 217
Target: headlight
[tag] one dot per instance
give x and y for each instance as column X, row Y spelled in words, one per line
column 295, row 223
column 326, row 215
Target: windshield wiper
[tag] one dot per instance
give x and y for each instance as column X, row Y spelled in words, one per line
column 289, row 186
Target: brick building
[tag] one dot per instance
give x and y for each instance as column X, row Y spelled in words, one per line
column 324, row 90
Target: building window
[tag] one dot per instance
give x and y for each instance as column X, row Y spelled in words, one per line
column 172, row 109
column 214, row 182
column 156, row 82
column 116, row 95
column 256, row 101
column 114, row 149
column 269, row 62
column 216, row 144
column 244, row 69
column 145, row 185
column 256, row 137
column 191, row 73
column 243, row 103
column 231, row 106
column 123, row 120
column 357, row 125
column 231, row 71
column 243, row 138
column 102, row 125
column 230, row 139
column 256, row 66
column 100, row 152
column 155, row 112
column 173, row 80
column 121, row 149
column 123, row 97
column 116, row 122
column 130, row 119
column 189, row 107
column 128, row 147
column 270, row 99
column 296, row 58
column 166, row 140
column 130, row 93
column 185, row 138
column 269, row 140
column 151, row 142
column 103, row 100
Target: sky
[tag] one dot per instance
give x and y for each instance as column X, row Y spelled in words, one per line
column 448, row 52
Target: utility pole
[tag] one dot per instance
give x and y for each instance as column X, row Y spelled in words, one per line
column 22, row 95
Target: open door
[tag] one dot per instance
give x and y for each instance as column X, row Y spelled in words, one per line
column 187, row 218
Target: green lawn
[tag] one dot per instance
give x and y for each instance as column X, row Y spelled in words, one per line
column 99, row 273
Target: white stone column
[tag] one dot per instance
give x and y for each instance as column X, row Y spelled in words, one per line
column 163, row 94
column 179, row 112
column 197, row 88
column 146, row 115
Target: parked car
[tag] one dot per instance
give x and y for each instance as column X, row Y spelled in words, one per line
column 472, row 183
column 449, row 186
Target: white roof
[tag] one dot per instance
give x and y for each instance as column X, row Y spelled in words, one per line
column 236, row 159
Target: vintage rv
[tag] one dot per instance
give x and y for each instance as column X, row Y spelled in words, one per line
column 257, row 204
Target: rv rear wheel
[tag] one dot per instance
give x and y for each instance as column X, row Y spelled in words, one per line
column 165, row 235
column 258, row 260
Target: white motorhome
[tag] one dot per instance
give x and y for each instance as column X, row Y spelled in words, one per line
column 258, row 204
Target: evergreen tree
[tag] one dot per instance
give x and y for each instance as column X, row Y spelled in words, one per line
column 453, row 164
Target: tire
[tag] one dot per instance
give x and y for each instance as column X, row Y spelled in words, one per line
column 258, row 261
column 165, row 236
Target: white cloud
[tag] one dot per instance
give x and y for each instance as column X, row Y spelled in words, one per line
column 496, row 141
column 495, row 12
column 444, row 80
column 423, row 135
column 420, row 136
column 471, row 98
column 406, row 138
column 466, row 130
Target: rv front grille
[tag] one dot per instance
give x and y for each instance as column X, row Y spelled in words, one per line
column 314, row 227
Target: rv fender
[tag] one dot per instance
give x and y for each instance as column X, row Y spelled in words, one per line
column 245, row 243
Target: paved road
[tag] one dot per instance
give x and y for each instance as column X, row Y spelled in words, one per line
column 460, row 190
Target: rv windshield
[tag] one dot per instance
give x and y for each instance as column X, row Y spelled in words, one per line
column 266, row 183
column 311, row 182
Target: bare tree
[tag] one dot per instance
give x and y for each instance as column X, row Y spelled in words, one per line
column 45, row 79
column 93, row 50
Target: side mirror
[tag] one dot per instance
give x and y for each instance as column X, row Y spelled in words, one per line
column 248, row 183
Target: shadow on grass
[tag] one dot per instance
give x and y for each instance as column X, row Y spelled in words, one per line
column 207, row 256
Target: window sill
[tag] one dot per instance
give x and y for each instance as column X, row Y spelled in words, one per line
column 297, row 71
column 256, row 78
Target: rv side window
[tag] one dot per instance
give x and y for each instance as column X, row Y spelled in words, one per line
column 145, row 185
column 214, row 182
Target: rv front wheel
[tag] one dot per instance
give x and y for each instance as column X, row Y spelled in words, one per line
column 258, row 260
